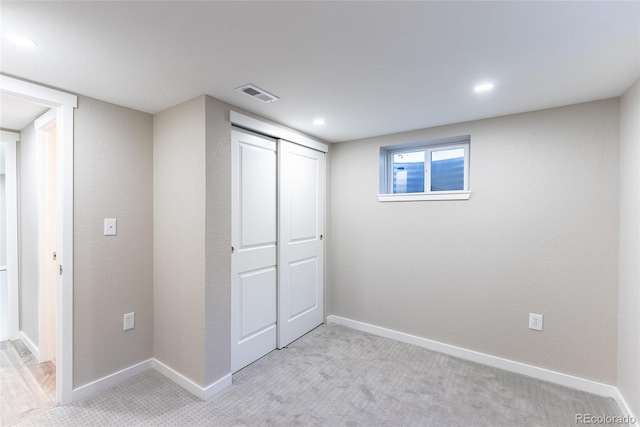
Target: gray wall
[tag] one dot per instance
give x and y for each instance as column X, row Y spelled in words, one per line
column 218, row 241
column 539, row 234
column 179, row 237
column 192, row 235
column 629, row 287
column 28, row 232
column 112, row 274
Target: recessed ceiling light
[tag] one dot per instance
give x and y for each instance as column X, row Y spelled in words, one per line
column 21, row 41
column 319, row 122
column 484, row 87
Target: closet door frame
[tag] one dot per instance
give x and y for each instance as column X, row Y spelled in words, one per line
column 275, row 131
column 241, row 122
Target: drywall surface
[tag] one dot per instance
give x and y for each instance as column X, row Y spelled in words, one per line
column 179, row 195
column 28, row 232
column 538, row 235
column 629, row 287
column 112, row 274
column 218, row 241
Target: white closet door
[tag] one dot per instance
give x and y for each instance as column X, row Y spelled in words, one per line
column 300, row 240
column 253, row 262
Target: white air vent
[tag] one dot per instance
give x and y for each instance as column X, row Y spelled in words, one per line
column 257, row 93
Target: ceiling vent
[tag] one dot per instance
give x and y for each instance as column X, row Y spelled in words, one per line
column 257, row 93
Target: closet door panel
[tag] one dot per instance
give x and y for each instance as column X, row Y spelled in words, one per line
column 253, row 261
column 303, row 293
column 300, row 240
column 303, row 197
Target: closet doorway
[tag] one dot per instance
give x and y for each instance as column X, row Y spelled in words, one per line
column 278, row 203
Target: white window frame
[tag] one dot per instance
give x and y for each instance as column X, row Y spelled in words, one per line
column 386, row 169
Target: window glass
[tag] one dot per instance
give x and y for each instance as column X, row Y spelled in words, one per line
column 425, row 170
column 447, row 169
column 408, row 172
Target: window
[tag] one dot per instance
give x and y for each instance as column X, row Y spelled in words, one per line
column 434, row 170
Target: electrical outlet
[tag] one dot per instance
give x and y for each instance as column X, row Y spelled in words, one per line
column 129, row 321
column 535, row 321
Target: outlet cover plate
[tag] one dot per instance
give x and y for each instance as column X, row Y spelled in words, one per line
column 129, row 321
column 535, row 321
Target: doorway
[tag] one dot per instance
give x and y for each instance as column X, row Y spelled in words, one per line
column 28, row 371
column 62, row 105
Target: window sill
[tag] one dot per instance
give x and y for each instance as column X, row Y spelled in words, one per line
column 415, row 197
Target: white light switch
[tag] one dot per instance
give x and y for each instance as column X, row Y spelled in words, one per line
column 110, row 227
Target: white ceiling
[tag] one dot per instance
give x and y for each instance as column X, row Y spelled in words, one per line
column 16, row 113
column 368, row 68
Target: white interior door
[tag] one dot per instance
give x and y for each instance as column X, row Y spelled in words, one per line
column 300, row 240
column 253, row 262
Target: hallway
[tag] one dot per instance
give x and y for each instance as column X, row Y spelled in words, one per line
column 28, row 387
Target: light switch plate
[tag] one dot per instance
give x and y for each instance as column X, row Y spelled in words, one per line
column 110, row 227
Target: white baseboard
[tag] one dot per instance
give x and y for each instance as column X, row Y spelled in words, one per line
column 30, row 345
column 110, row 380
column 216, row 387
column 203, row 393
column 484, row 359
column 104, row 383
column 622, row 404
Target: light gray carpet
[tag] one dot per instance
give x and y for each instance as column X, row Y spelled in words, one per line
column 336, row 376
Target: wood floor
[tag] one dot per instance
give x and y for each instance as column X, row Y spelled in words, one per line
column 26, row 387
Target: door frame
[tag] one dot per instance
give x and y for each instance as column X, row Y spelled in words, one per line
column 63, row 103
column 10, row 140
column 274, row 130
